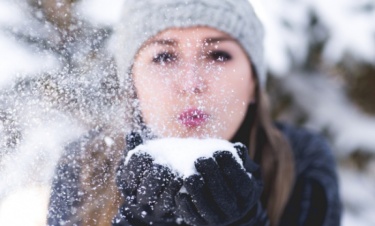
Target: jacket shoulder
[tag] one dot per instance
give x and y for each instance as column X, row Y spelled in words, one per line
column 315, row 196
column 65, row 192
column 310, row 150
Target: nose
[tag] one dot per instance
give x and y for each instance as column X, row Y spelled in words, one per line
column 192, row 79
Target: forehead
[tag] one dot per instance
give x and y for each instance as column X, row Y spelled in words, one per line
column 191, row 34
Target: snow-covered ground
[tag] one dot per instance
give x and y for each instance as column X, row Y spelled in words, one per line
column 26, row 172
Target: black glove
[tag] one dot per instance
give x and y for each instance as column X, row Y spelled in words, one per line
column 224, row 193
column 148, row 190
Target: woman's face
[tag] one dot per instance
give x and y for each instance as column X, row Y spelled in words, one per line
column 193, row 82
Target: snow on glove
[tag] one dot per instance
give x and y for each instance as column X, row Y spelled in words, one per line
column 148, row 190
column 225, row 193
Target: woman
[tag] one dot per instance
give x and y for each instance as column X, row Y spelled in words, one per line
column 195, row 69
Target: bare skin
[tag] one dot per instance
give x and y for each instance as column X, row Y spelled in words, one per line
column 193, row 82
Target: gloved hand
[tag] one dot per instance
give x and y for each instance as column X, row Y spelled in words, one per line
column 224, row 193
column 148, row 190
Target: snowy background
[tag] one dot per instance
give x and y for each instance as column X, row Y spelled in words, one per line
column 56, row 78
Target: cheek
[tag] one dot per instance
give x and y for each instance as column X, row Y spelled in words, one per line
column 233, row 94
column 236, row 85
column 233, row 101
column 153, row 94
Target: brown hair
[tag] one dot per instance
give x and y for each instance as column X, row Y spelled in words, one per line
column 276, row 161
column 99, row 161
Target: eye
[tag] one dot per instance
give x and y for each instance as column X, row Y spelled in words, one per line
column 164, row 58
column 220, row 56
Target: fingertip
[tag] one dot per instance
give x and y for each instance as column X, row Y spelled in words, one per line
column 133, row 140
column 205, row 165
column 222, row 155
column 141, row 161
column 146, row 156
column 241, row 150
column 193, row 181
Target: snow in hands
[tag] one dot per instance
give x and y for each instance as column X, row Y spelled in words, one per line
column 180, row 154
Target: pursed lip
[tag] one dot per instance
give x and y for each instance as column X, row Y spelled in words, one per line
column 193, row 117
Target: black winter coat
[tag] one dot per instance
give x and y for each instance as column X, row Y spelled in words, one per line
column 314, row 200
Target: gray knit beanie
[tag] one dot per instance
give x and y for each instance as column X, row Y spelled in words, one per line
column 143, row 19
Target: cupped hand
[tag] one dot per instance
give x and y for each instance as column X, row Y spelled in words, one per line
column 225, row 192
column 148, row 190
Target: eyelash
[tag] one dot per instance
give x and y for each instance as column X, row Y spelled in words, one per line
column 168, row 57
column 164, row 57
column 220, row 56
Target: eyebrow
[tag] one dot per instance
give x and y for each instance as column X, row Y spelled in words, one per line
column 168, row 42
column 218, row 39
column 173, row 42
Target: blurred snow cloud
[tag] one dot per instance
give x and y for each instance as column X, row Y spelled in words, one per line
column 344, row 27
column 101, row 12
column 19, row 60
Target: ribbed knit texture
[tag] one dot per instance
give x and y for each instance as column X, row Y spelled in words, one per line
column 142, row 19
